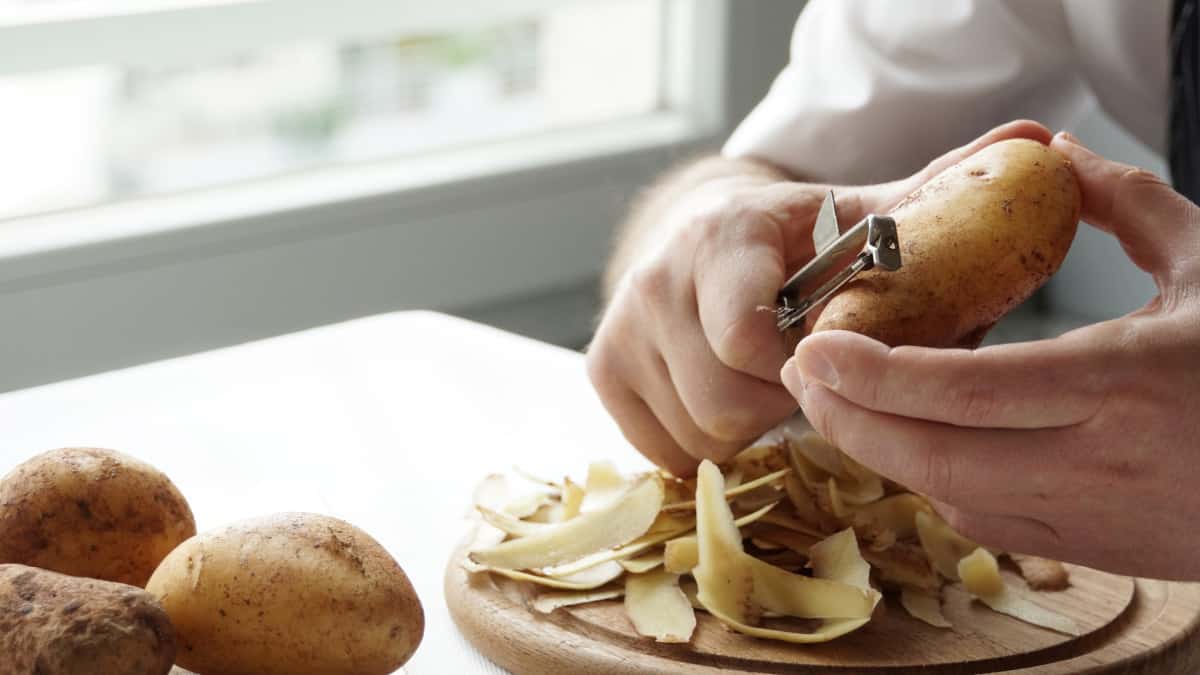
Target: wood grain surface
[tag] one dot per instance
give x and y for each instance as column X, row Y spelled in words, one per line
column 1130, row 626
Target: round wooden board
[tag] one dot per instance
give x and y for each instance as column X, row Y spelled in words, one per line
column 1130, row 626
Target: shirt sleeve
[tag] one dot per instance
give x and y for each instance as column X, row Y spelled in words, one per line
column 875, row 89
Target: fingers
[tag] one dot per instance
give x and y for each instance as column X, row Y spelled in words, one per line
column 741, row 262
column 662, row 393
column 1015, row 129
column 1156, row 225
column 638, row 424
column 730, row 408
column 1049, row 383
column 986, row 469
column 1015, row 534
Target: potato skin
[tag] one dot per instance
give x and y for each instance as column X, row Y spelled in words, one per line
column 91, row 512
column 54, row 624
column 976, row 241
column 288, row 594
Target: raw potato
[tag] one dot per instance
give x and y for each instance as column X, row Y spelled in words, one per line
column 54, row 624
column 91, row 513
column 976, row 241
column 289, row 594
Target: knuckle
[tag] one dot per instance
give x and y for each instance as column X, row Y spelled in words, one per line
column 707, row 222
column 822, row 421
column 738, row 344
column 976, row 403
column 731, row 423
column 599, row 370
column 651, row 282
column 1139, row 177
column 604, row 371
column 964, row 523
column 937, row 475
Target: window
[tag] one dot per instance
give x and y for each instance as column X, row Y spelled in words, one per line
column 85, row 128
column 178, row 175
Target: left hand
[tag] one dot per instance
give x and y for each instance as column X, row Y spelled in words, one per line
column 1084, row 448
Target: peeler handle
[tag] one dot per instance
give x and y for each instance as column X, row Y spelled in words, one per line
column 875, row 242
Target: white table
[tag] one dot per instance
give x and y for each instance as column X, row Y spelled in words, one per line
column 386, row 422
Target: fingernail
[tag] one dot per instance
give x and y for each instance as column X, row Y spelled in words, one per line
column 1069, row 137
column 812, row 365
column 791, row 377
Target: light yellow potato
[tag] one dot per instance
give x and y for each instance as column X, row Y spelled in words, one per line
column 54, row 624
column 288, row 594
column 92, row 513
column 975, row 242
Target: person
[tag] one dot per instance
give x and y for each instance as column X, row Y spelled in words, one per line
column 1082, row 448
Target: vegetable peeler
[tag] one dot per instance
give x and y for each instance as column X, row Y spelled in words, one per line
column 870, row 243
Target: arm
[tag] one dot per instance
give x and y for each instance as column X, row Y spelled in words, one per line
column 1081, row 448
column 685, row 358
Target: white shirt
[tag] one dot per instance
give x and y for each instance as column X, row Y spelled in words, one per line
column 875, row 89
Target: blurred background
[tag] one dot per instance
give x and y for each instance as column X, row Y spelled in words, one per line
column 177, row 176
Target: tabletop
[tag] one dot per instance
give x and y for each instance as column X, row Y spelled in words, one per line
column 386, row 422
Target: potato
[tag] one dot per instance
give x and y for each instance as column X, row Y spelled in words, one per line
column 91, row 513
column 54, row 624
column 976, row 241
column 288, row 594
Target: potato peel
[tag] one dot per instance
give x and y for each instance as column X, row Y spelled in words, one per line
column 642, row 564
column 604, row 485
column 726, row 583
column 572, row 499
column 616, row 525
column 942, row 544
column 575, row 583
column 658, row 608
column 527, row 505
column 924, row 607
column 633, row 548
column 681, row 555
column 1042, row 574
column 981, row 577
column 897, row 513
column 829, row 630
column 837, row 558
column 509, row 524
column 781, row 592
column 546, row 603
column 730, row 493
column 671, row 547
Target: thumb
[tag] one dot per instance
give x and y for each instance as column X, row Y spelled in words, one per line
column 1158, row 227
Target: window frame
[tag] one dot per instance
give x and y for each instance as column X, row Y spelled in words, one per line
column 103, row 287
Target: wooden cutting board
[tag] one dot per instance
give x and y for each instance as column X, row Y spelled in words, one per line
column 1130, row 626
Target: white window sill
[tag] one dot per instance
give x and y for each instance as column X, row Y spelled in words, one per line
column 325, row 202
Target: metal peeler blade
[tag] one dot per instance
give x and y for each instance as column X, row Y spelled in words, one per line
column 870, row 243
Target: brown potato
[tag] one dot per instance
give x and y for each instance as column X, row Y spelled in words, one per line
column 91, row 513
column 976, row 241
column 54, row 624
column 289, row 594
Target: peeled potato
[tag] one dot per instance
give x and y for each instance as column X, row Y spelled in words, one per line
column 288, row 594
column 976, row 241
column 90, row 512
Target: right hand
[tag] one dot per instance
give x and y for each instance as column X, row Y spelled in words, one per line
column 687, row 355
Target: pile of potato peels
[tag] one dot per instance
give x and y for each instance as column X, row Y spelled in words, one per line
column 787, row 529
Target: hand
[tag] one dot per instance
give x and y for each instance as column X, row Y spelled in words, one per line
column 1084, row 448
column 687, row 356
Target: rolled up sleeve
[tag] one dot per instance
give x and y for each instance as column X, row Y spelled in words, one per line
column 875, row 89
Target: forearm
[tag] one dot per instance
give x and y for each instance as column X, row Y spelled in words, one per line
column 647, row 217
